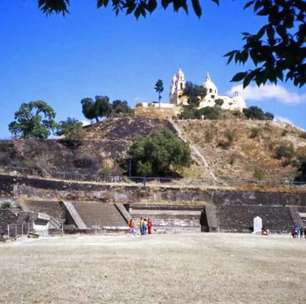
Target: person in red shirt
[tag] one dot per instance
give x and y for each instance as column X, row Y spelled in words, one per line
column 150, row 226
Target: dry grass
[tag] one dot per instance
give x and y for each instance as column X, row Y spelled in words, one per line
column 252, row 143
column 174, row 268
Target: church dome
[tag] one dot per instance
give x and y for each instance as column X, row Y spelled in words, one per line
column 209, row 85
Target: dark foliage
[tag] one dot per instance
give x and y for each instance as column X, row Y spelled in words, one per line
column 158, row 154
column 190, row 112
column 194, row 93
column 159, row 88
column 278, row 48
column 257, row 113
column 102, row 107
column 284, row 150
column 301, row 177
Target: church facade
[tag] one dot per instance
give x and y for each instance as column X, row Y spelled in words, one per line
column 211, row 99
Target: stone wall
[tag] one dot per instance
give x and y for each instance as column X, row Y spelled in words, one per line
column 155, row 112
column 235, row 209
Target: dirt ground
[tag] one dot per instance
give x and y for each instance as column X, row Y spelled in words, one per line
column 169, row 268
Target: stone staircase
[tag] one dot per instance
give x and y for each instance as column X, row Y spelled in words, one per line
column 101, row 215
column 195, row 153
column 74, row 214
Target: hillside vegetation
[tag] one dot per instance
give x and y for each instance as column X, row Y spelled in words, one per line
column 247, row 149
column 100, row 152
column 234, row 149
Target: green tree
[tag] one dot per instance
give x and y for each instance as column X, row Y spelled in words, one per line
column 194, row 93
column 277, row 49
column 158, row 154
column 88, row 109
column 33, row 119
column 257, row 113
column 102, row 106
column 71, row 128
column 120, row 107
column 159, row 88
column 95, row 109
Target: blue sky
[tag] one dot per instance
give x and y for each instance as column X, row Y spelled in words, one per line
column 92, row 52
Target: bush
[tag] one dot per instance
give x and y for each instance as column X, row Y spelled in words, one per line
column 259, row 174
column 230, row 135
column 257, row 113
column 284, row 150
column 254, row 132
column 224, row 144
column 8, row 205
column 303, row 135
column 189, row 112
column 71, row 128
column 210, row 112
column 158, row 154
column 301, row 176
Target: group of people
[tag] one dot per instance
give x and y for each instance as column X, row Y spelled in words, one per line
column 145, row 226
column 298, row 232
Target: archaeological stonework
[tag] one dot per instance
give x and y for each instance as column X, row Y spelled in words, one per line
column 226, row 210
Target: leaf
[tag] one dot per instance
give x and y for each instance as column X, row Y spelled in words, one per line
column 239, row 76
column 248, row 4
column 248, row 78
column 197, row 7
column 151, row 5
column 101, row 3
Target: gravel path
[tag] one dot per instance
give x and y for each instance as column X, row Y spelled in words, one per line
column 170, row 268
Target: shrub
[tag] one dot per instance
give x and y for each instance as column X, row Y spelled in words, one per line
column 230, row 135
column 8, row 205
column 210, row 112
column 301, row 175
column 284, row 150
column 284, row 132
column 254, row 132
column 303, row 135
column 233, row 158
column 209, row 135
column 189, row 112
column 158, row 154
column 71, row 128
column 219, row 102
column 257, row 113
column 259, row 174
column 224, row 144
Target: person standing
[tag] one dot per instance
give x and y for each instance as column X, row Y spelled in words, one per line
column 141, row 222
column 131, row 226
column 145, row 226
column 150, row 226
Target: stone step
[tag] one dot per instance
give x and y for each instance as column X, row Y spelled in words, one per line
column 74, row 215
column 99, row 215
